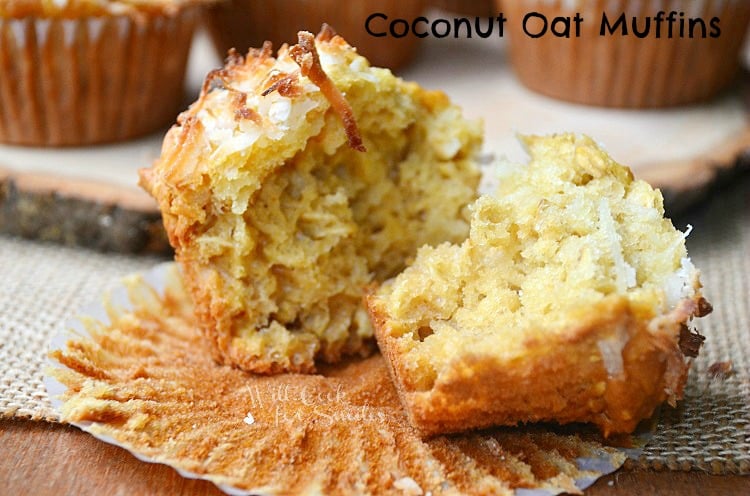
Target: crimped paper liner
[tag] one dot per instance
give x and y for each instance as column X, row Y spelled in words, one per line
column 243, row 24
column 93, row 79
column 625, row 71
column 165, row 275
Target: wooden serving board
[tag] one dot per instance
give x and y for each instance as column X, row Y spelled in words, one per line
column 89, row 196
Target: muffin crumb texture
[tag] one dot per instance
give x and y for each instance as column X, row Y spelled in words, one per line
column 565, row 303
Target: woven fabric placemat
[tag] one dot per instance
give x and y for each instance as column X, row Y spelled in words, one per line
column 42, row 286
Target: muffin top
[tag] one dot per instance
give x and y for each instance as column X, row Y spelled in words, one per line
column 265, row 107
column 79, row 8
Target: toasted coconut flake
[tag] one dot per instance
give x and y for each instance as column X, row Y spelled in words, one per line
column 704, row 308
column 241, row 109
column 306, row 56
column 721, row 370
column 235, row 58
column 326, row 32
column 286, row 84
column 214, row 79
column 263, row 53
column 690, row 341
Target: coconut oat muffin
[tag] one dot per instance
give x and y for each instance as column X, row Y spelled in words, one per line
column 295, row 181
column 79, row 72
column 568, row 302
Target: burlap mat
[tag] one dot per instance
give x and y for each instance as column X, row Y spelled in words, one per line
column 41, row 286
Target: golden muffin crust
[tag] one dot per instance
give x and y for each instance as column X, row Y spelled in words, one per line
column 295, row 181
column 568, row 302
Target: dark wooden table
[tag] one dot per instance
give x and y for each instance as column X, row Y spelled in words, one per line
column 40, row 458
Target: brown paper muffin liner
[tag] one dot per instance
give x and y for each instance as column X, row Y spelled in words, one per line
column 133, row 371
column 243, row 24
column 627, row 71
column 91, row 80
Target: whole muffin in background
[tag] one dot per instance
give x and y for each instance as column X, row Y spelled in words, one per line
column 79, row 72
column 466, row 7
column 241, row 24
column 297, row 180
column 628, row 71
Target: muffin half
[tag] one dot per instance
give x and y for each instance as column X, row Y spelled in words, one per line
column 295, row 181
column 242, row 24
column 568, row 302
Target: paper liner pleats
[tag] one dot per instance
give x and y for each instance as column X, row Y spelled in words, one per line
column 135, row 372
column 91, row 80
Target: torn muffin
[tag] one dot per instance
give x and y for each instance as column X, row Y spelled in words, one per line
column 568, row 302
column 295, row 181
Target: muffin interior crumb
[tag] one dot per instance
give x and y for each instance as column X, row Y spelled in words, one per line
column 281, row 214
column 569, row 230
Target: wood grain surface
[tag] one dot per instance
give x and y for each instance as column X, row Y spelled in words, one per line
column 80, row 212
column 43, row 459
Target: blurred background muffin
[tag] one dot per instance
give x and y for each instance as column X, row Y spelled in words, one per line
column 79, row 72
column 466, row 7
column 628, row 71
column 243, row 24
